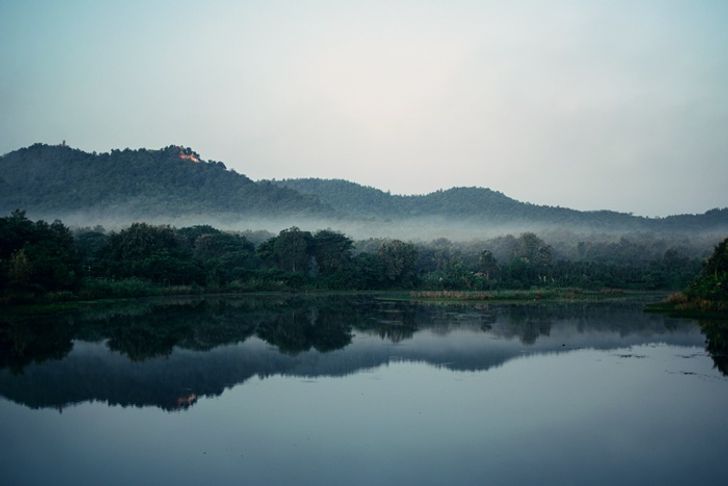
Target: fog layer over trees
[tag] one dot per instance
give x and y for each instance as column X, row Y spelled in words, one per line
column 37, row 258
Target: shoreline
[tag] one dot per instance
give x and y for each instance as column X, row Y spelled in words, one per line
column 565, row 295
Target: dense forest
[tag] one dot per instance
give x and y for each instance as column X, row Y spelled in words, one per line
column 708, row 293
column 57, row 181
column 38, row 258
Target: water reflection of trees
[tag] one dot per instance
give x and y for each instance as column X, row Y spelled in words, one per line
column 26, row 342
column 294, row 329
column 200, row 326
column 142, row 332
column 298, row 330
column 526, row 325
column 716, row 342
column 299, row 324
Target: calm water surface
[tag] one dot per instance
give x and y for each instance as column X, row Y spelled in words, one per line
column 362, row 390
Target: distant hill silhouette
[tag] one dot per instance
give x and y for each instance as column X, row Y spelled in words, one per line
column 174, row 180
column 57, row 180
column 482, row 204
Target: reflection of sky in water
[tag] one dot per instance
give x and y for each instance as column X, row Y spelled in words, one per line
column 581, row 404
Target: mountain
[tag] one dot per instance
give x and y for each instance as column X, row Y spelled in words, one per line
column 57, row 181
column 478, row 204
column 173, row 181
column 365, row 201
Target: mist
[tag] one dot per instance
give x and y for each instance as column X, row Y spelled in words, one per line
column 461, row 235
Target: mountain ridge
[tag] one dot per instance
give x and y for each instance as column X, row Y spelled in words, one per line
column 176, row 181
column 473, row 202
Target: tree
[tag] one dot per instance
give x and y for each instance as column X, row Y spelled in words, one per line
column 89, row 244
column 225, row 257
column 487, row 264
column 398, row 262
column 19, row 269
column 150, row 252
column 532, row 249
column 332, row 251
column 712, row 283
column 290, row 251
column 36, row 256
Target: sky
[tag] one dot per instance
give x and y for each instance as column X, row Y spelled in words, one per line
column 587, row 104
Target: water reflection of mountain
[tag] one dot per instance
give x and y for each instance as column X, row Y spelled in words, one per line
column 168, row 354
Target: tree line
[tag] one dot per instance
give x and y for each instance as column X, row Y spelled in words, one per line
column 37, row 257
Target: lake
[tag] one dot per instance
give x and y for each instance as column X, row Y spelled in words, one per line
column 357, row 389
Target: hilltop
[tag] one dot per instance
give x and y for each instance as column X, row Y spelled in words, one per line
column 172, row 181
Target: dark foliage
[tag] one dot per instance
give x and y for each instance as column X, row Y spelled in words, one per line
column 712, row 283
column 36, row 257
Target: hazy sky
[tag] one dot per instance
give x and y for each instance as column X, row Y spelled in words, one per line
column 603, row 104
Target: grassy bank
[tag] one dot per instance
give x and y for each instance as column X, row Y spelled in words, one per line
column 115, row 292
column 681, row 305
column 103, row 289
column 549, row 294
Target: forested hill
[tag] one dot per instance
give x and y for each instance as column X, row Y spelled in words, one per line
column 57, row 181
column 173, row 181
column 368, row 201
column 486, row 205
